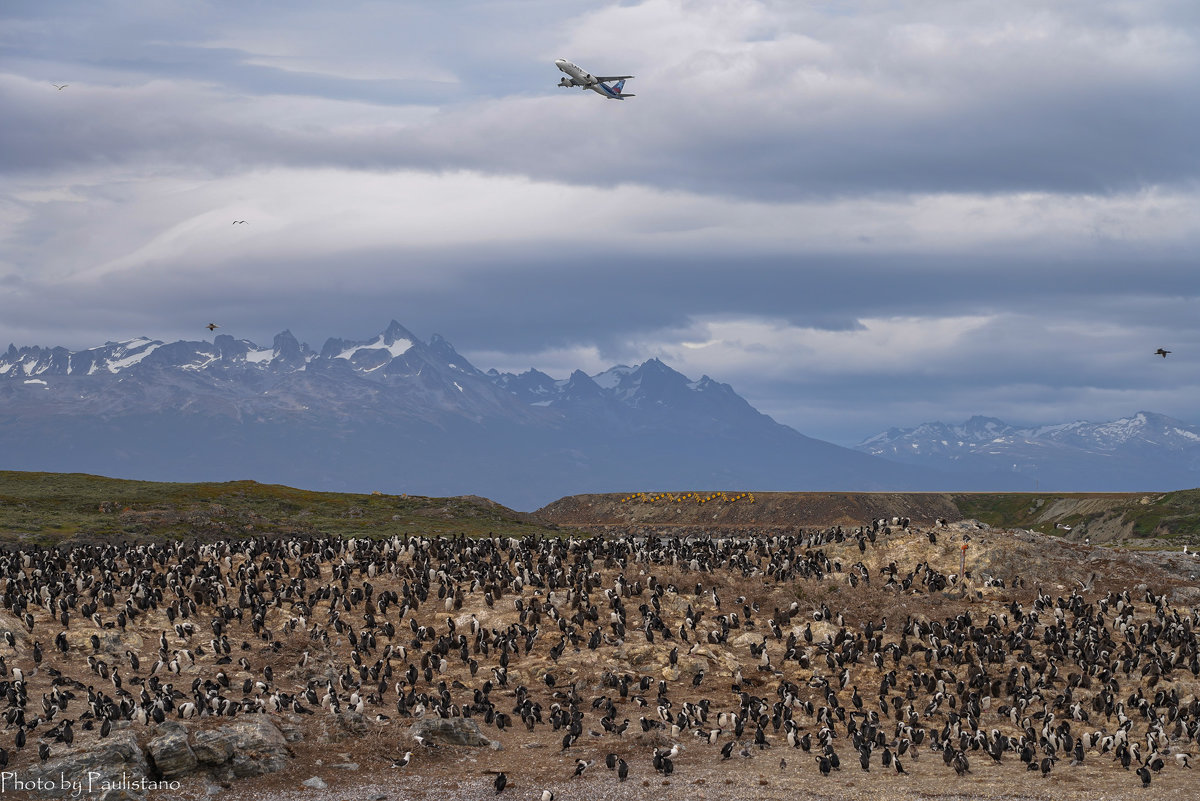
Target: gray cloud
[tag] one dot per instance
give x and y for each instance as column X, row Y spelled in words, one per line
column 795, row 185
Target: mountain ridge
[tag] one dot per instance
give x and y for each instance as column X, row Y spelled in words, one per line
column 423, row 419
column 1158, row 448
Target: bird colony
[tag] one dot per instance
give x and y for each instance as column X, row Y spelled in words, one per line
column 761, row 662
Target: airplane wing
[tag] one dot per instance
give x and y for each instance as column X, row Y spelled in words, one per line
column 607, row 78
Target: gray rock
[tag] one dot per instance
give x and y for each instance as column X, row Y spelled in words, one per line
column 258, row 747
column 249, row 747
column 353, row 722
column 315, row 783
column 118, row 757
column 345, row 765
column 212, row 747
column 291, row 732
column 452, row 731
column 171, row 754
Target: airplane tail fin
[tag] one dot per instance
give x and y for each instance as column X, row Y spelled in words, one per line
column 620, row 85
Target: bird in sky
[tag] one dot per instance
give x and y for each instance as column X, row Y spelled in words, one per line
column 1161, row 352
column 60, row 88
column 212, row 326
column 240, row 222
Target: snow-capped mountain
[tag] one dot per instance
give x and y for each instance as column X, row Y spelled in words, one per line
column 398, row 414
column 1142, row 452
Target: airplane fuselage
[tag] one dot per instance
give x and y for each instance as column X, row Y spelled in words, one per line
column 585, row 80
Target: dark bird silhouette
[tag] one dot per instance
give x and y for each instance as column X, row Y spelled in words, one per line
column 1161, row 352
column 501, row 782
column 60, row 87
column 240, row 222
column 212, row 326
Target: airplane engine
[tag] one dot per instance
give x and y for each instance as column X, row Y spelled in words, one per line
column 565, row 82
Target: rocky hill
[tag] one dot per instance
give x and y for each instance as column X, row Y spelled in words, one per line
column 1167, row 518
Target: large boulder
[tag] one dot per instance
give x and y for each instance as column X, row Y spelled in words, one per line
column 251, row 746
column 101, row 771
column 212, row 747
column 258, row 747
column 452, row 731
column 170, row 752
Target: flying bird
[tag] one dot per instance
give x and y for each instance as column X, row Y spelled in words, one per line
column 212, row 326
column 1161, row 352
column 60, row 88
column 239, row 222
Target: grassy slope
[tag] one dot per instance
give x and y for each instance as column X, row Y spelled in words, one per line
column 45, row 508
column 1173, row 515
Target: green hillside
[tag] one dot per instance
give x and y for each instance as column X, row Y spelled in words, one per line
column 47, row 508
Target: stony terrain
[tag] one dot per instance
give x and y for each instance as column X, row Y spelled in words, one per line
column 247, row 668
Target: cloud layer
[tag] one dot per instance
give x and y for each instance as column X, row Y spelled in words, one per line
column 859, row 215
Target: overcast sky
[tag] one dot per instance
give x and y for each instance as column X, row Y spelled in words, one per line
column 859, row 214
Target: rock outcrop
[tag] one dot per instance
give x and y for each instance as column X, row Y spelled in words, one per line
column 451, row 731
column 119, row 768
column 101, row 771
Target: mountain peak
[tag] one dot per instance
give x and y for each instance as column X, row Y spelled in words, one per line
column 395, row 331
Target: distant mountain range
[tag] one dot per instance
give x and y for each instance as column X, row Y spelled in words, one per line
column 396, row 414
column 1143, row 452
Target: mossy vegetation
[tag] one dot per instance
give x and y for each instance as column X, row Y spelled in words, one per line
column 46, row 508
column 1175, row 515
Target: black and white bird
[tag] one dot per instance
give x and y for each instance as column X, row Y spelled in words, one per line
column 403, row 761
column 501, row 782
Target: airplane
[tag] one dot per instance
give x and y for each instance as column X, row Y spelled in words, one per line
column 598, row 84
